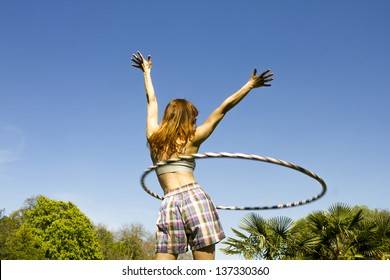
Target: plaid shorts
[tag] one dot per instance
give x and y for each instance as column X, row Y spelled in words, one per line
column 187, row 217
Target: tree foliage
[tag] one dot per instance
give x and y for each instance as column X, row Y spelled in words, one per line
column 264, row 239
column 49, row 229
column 341, row 233
column 130, row 242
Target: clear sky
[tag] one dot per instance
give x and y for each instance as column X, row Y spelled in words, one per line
column 72, row 109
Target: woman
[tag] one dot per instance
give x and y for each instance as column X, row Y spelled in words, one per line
column 187, row 215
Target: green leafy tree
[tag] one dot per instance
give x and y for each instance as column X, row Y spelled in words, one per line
column 338, row 231
column 382, row 235
column 264, row 239
column 130, row 242
column 133, row 242
column 4, row 233
column 350, row 233
column 341, row 233
column 56, row 230
column 8, row 227
column 106, row 241
column 23, row 244
column 17, row 241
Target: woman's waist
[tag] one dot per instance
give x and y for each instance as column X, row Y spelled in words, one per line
column 172, row 181
column 190, row 187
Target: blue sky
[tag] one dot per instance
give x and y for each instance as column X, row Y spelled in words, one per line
column 72, row 109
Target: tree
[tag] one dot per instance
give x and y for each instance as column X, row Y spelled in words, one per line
column 133, row 242
column 16, row 241
column 338, row 231
column 341, row 233
column 48, row 229
column 265, row 239
column 55, row 230
column 350, row 233
column 106, row 241
column 382, row 234
column 130, row 242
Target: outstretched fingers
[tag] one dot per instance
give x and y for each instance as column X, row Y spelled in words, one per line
column 140, row 62
column 137, row 61
column 267, row 77
column 140, row 55
column 263, row 75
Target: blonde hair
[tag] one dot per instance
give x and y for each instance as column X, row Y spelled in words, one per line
column 177, row 127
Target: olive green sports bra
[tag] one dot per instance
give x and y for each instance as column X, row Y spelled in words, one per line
column 177, row 166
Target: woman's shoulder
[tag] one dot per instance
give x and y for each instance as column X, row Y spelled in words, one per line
column 190, row 148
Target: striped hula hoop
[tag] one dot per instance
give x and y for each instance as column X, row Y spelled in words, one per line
column 248, row 157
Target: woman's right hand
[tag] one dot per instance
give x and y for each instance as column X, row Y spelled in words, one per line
column 141, row 63
column 261, row 80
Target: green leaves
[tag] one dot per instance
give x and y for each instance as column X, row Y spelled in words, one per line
column 57, row 230
column 53, row 230
column 343, row 232
column 266, row 239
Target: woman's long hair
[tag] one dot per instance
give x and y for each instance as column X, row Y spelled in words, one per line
column 177, row 128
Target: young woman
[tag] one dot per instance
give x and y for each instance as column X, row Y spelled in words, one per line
column 187, row 215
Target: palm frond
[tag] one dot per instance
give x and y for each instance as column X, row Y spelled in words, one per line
column 281, row 225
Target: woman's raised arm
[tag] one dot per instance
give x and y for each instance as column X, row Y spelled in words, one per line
column 152, row 109
column 207, row 128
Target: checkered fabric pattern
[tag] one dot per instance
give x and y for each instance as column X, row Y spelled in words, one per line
column 187, row 217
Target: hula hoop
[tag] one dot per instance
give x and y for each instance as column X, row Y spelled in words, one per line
column 242, row 156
